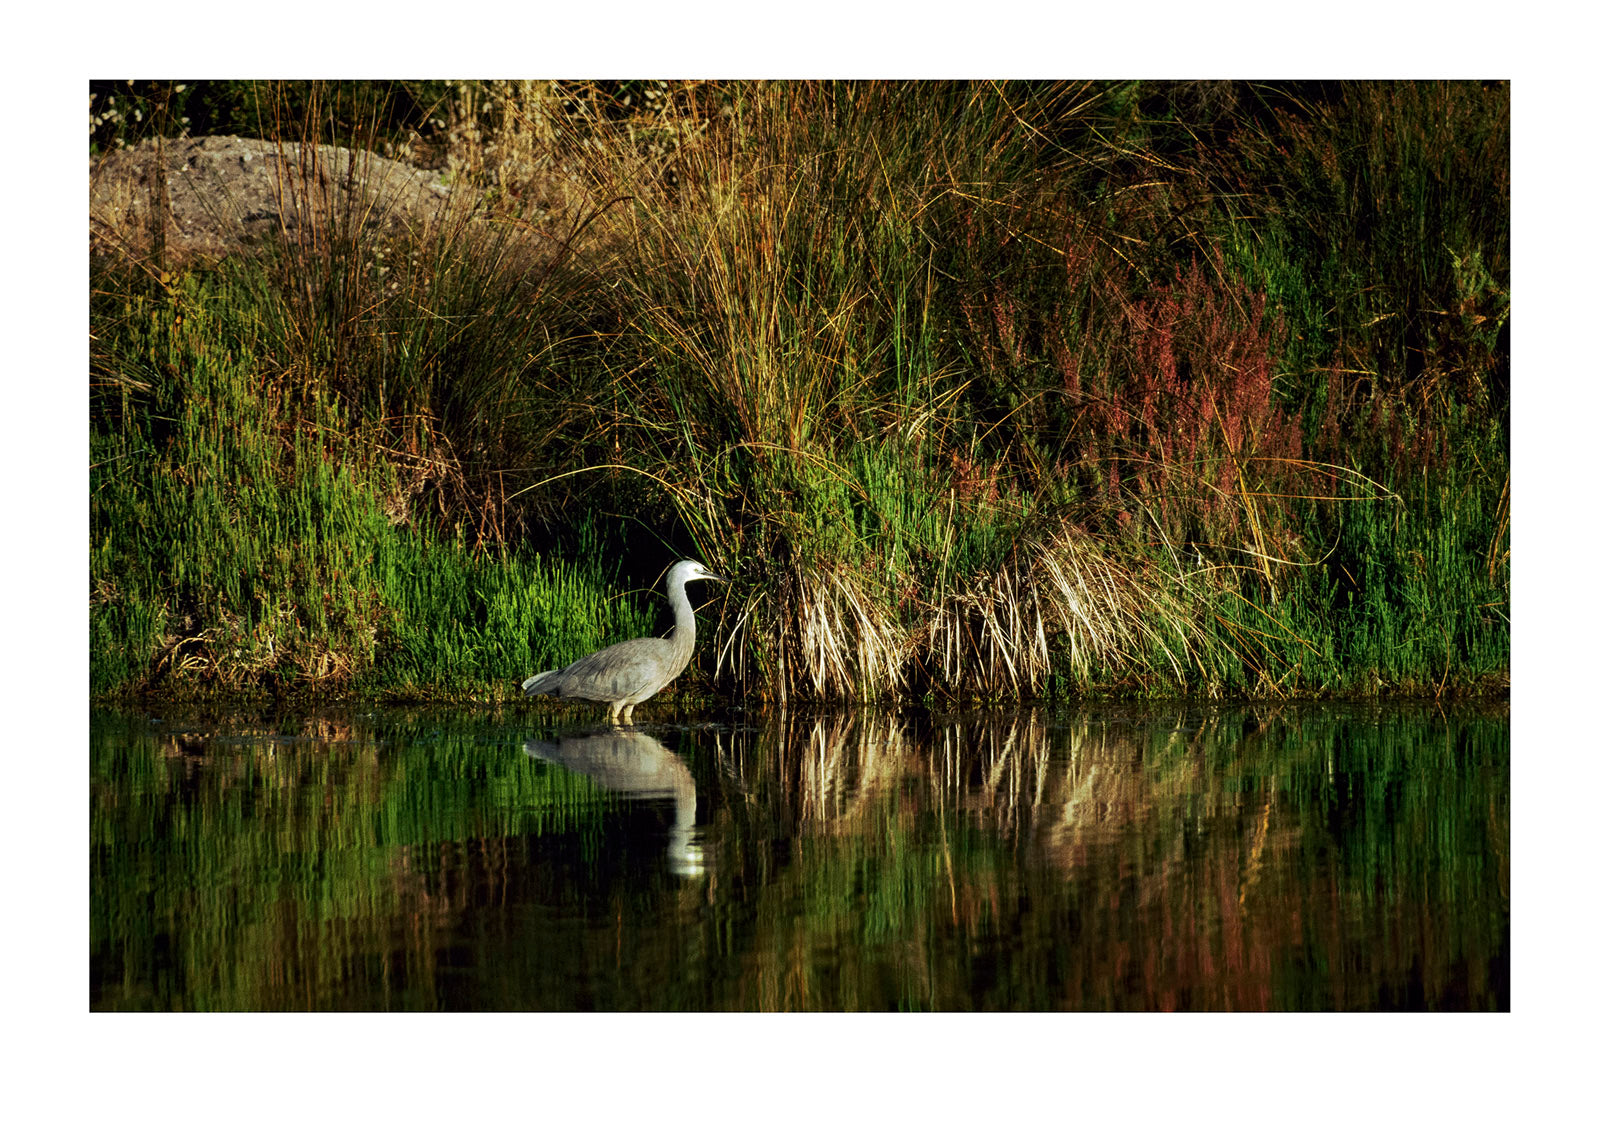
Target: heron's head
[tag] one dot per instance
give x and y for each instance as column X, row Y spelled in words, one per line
column 687, row 571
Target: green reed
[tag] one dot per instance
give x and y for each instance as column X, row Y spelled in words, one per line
column 242, row 540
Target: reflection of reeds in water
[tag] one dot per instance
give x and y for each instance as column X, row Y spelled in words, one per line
column 845, row 761
column 1181, row 857
column 922, row 829
column 1006, row 770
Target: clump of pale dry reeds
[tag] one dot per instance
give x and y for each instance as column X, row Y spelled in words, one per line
column 818, row 633
column 1059, row 600
column 1059, row 608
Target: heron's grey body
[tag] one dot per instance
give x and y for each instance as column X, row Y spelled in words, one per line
column 629, row 673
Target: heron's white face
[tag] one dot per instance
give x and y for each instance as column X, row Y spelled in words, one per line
column 694, row 571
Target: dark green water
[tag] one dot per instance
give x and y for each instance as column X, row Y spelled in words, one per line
column 1175, row 857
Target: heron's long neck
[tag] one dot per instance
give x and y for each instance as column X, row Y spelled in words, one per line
column 683, row 617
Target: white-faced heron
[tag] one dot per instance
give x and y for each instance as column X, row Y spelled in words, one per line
column 629, row 673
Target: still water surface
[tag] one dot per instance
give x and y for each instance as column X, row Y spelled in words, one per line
column 1169, row 857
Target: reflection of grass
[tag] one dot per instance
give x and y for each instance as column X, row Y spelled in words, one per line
column 271, row 872
column 1189, row 858
column 1173, row 863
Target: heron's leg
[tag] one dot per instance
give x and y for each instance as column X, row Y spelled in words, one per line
column 615, row 708
column 627, row 714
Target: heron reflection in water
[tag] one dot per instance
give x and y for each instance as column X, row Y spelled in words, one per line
column 633, row 764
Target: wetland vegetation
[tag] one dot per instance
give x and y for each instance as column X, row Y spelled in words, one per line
column 977, row 391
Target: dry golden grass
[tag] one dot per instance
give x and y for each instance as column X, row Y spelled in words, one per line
column 1058, row 599
column 1059, row 606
